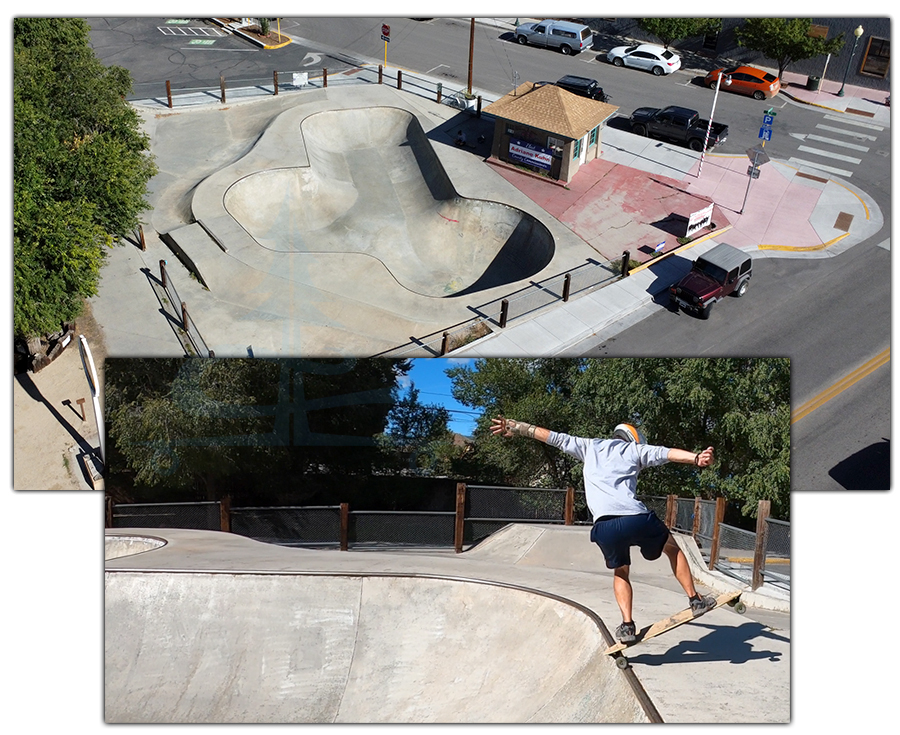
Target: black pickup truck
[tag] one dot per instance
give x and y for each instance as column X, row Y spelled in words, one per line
column 679, row 124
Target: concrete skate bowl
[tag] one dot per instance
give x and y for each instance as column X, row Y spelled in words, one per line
column 315, row 648
column 375, row 186
column 116, row 547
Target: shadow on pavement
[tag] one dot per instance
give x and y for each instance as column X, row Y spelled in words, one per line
column 867, row 469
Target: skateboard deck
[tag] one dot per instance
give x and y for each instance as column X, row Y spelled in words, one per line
column 673, row 621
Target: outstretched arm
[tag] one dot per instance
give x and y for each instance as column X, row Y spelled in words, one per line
column 508, row 427
column 703, row 459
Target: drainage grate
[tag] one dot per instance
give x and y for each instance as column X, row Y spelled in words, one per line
column 843, row 222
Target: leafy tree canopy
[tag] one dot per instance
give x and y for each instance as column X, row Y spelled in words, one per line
column 669, row 30
column 785, row 40
column 80, row 169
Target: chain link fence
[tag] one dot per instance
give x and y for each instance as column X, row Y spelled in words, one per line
column 205, row 515
column 307, row 526
column 417, row 529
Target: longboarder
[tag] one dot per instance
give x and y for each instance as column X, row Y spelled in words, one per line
column 611, row 468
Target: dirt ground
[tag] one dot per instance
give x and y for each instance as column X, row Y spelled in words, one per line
column 52, row 432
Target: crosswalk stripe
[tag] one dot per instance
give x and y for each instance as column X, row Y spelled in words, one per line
column 838, row 143
column 858, row 123
column 829, row 154
column 842, row 131
column 829, row 169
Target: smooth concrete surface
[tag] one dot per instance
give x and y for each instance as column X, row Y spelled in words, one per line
column 217, row 627
column 374, row 186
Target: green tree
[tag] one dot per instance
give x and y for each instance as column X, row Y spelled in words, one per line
column 80, row 169
column 418, row 436
column 669, row 30
column 785, row 40
column 255, row 428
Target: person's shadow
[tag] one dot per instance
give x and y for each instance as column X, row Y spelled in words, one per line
column 722, row 643
column 35, row 394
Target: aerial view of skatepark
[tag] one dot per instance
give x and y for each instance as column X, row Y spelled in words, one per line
column 214, row 627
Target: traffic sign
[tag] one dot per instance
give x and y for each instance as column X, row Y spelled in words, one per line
column 768, row 119
column 758, row 156
column 765, row 133
column 753, row 172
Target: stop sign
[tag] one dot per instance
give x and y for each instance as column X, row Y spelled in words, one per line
column 385, row 30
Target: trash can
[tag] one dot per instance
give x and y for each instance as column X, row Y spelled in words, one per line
column 812, row 83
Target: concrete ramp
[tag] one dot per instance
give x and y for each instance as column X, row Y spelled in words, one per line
column 309, row 647
column 375, row 186
column 550, row 546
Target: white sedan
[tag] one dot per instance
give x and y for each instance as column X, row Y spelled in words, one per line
column 645, row 56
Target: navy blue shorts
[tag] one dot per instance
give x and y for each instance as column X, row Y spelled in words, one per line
column 615, row 535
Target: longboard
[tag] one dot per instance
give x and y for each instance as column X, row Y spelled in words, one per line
column 673, row 621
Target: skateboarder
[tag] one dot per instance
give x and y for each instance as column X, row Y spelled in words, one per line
column 611, row 468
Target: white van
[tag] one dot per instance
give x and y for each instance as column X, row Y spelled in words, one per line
column 570, row 38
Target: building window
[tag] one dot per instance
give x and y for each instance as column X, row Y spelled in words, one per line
column 594, row 133
column 877, row 57
column 576, row 149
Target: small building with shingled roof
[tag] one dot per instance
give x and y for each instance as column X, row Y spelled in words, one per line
column 547, row 129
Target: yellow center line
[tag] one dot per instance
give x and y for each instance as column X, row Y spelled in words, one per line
column 842, row 385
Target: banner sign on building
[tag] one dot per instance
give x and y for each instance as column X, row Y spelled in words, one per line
column 533, row 155
column 698, row 220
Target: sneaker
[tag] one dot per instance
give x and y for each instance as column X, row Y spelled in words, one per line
column 700, row 605
column 626, row 633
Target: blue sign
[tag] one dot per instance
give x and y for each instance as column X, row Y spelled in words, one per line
column 768, row 119
column 765, row 133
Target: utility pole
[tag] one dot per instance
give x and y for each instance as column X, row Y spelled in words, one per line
column 471, row 53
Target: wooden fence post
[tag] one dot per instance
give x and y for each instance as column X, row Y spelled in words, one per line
column 671, row 510
column 504, row 313
column 380, row 74
column 324, row 77
column 345, row 526
column 626, row 257
column 275, row 81
column 445, row 342
column 184, row 316
column 399, row 79
column 109, row 512
column 570, row 505
column 478, row 114
column 720, row 518
column 169, row 92
column 440, row 92
column 225, row 514
column 762, row 534
column 162, row 272
column 141, row 236
column 459, row 527
column 695, row 528
column 567, row 286
column 222, row 87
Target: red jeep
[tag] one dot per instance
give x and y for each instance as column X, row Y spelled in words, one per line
column 722, row 271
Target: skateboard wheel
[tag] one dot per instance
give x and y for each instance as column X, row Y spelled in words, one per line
column 740, row 608
column 622, row 662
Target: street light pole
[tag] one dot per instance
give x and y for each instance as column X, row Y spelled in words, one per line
column 712, row 112
column 858, row 32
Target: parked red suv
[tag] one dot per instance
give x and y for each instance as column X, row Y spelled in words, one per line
column 722, row 271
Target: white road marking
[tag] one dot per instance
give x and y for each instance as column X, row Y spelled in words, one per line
column 858, row 123
column 829, row 154
column 839, row 143
column 799, row 162
column 858, row 136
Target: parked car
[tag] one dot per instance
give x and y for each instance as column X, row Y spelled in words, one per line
column 679, row 124
column 569, row 38
column 584, row 86
column 722, row 271
column 757, row 83
column 647, row 56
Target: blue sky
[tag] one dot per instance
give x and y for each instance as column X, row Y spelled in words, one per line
column 429, row 376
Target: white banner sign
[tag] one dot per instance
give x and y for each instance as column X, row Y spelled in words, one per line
column 698, row 220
